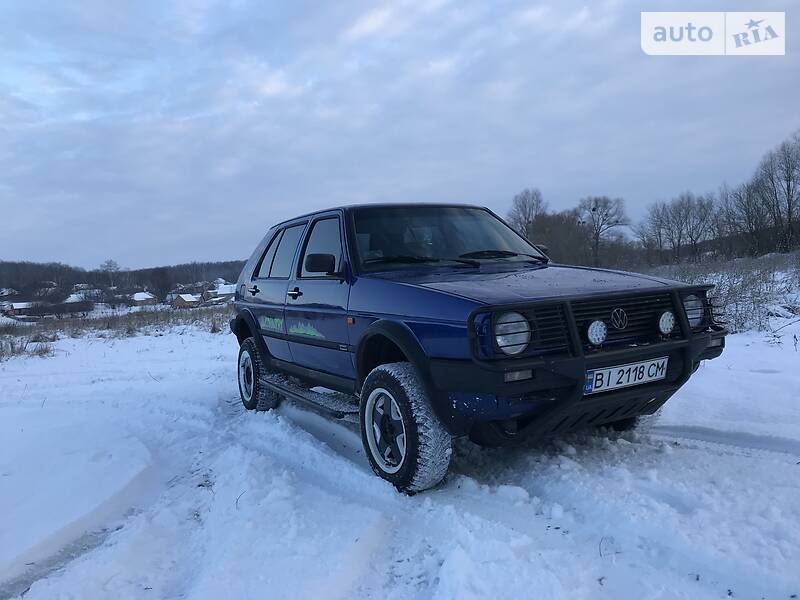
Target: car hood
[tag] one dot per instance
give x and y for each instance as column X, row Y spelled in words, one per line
column 546, row 281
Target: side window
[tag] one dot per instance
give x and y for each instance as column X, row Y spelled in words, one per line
column 269, row 254
column 325, row 238
column 282, row 262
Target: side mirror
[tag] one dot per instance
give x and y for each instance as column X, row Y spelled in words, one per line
column 320, row 263
column 543, row 248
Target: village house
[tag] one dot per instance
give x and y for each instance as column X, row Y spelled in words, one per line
column 17, row 309
column 144, row 299
column 187, row 301
column 224, row 292
column 93, row 294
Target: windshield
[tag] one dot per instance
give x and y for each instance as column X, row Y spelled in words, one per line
column 399, row 236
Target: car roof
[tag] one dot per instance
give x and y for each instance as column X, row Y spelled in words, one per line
column 350, row 207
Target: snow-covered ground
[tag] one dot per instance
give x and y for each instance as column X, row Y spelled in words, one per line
column 128, row 469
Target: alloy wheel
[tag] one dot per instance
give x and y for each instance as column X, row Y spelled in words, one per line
column 246, row 375
column 385, row 430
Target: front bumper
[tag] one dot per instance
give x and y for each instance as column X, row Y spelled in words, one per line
column 552, row 400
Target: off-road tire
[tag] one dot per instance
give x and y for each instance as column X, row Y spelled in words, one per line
column 261, row 397
column 428, row 445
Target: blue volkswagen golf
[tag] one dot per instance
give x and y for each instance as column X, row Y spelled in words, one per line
column 421, row 323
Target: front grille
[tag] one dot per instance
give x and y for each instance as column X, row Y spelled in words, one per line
column 642, row 311
column 550, row 333
column 550, row 325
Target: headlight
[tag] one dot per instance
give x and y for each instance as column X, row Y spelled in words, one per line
column 695, row 310
column 512, row 332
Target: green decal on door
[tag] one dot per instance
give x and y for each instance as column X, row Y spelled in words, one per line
column 271, row 323
column 306, row 329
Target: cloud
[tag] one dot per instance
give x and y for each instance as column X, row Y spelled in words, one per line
column 568, row 20
column 533, row 15
column 251, row 80
column 391, row 19
column 171, row 132
column 439, row 67
column 371, row 23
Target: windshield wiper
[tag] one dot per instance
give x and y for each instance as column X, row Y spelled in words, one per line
column 413, row 259
column 401, row 258
column 499, row 254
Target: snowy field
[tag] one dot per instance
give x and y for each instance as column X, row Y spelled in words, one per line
column 128, row 469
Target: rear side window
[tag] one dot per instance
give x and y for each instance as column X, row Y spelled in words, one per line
column 266, row 262
column 282, row 261
column 325, row 238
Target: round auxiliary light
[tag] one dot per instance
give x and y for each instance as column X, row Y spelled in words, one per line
column 695, row 310
column 597, row 333
column 512, row 332
column 666, row 323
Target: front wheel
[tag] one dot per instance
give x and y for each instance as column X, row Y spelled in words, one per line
column 405, row 442
column 251, row 370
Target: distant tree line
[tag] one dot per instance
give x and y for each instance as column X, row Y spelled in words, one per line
column 759, row 216
column 589, row 234
column 29, row 278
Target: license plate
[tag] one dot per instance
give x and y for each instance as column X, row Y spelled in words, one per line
column 612, row 378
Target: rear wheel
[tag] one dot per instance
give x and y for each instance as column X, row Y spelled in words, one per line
column 254, row 394
column 405, row 442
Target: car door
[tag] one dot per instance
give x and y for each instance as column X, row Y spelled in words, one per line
column 267, row 289
column 316, row 304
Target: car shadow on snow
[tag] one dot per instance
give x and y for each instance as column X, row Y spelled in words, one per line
column 489, row 466
column 584, row 449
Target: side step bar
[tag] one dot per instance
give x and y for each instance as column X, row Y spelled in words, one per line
column 329, row 403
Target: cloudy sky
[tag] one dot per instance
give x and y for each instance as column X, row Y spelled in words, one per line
column 159, row 132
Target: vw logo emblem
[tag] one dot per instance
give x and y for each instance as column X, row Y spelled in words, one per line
column 619, row 318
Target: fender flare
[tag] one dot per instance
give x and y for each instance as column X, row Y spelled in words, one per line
column 244, row 318
column 399, row 334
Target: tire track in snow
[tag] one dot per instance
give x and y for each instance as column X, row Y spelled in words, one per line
column 735, row 439
column 492, row 526
column 646, row 517
column 488, row 505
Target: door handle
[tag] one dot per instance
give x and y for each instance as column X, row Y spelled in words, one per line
column 294, row 294
column 254, row 290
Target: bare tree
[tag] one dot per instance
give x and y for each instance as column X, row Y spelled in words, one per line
column 751, row 216
column 652, row 232
column 601, row 214
column 777, row 184
column 678, row 211
column 766, row 185
column 525, row 208
column 723, row 223
column 788, row 159
column 564, row 235
column 111, row 267
column 698, row 222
